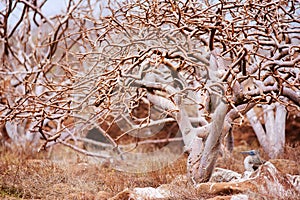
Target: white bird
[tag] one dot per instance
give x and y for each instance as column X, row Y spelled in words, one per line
column 253, row 160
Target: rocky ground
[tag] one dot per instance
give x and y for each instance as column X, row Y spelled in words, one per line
column 65, row 174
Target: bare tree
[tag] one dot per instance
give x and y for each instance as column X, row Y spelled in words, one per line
column 202, row 64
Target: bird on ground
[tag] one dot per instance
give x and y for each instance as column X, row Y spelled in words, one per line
column 253, row 160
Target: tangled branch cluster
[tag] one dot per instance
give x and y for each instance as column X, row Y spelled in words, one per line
column 97, row 62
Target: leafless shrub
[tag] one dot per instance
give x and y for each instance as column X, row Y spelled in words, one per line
column 200, row 63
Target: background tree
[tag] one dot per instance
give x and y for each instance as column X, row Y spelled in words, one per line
column 203, row 64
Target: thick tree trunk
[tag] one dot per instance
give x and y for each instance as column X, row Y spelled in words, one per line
column 202, row 160
column 272, row 138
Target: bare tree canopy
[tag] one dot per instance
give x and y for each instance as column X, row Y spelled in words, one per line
column 201, row 64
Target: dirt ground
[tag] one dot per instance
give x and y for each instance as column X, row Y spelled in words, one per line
column 65, row 174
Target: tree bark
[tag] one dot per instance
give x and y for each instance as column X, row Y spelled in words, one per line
column 212, row 145
column 272, row 138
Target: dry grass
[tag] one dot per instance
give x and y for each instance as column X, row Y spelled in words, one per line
column 35, row 177
column 65, row 174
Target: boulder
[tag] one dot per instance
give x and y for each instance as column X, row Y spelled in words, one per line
column 224, row 175
column 265, row 183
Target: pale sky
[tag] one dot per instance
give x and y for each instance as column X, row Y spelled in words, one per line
column 51, row 7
